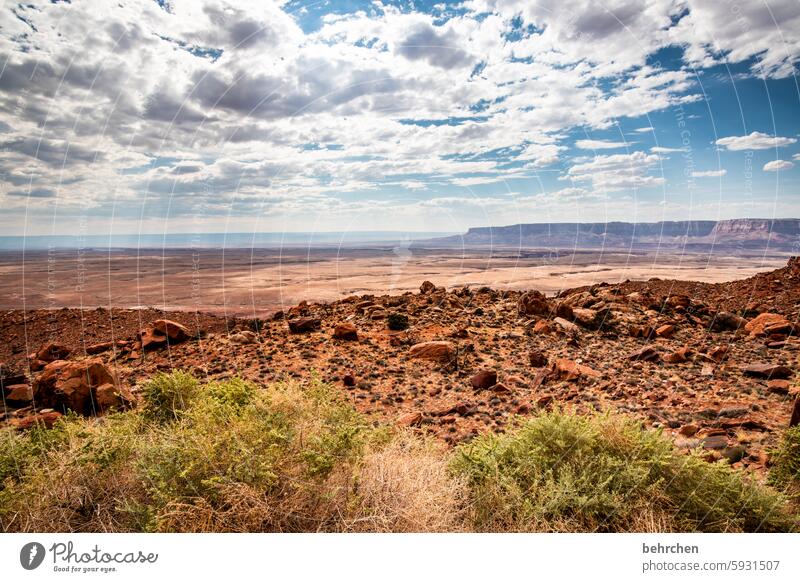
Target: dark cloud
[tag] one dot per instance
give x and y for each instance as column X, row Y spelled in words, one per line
column 440, row 49
column 34, row 193
column 52, row 152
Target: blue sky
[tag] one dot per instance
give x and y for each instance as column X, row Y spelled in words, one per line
column 177, row 116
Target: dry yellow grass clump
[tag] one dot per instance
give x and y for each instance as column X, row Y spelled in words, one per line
column 232, row 456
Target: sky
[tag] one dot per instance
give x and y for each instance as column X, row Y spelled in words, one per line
column 168, row 116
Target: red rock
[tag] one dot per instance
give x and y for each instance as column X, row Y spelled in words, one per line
column 410, row 419
column 757, row 325
column 665, row 330
column 532, row 303
column 794, row 420
column 679, row 301
column 561, row 309
column 537, row 359
column 48, row 419
column 779, row 386
column 304, row 324
column 689, row 430
column 348, row 380
column 52, row 351
column 646, row 354
column 484, row 379
column 427, row 288
column 439, row 351
column 95, row 349
column 73, row 386
column 18, row 395
column 678, row 357
column 346, row 331
column 174, row 331
column 570, row 370
column 544, row 327
column 566, row 326
column 768, row 371
column 501, row 388
column 718, row 353
column 726, row 321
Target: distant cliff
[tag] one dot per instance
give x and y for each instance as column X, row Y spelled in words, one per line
column 754, row 233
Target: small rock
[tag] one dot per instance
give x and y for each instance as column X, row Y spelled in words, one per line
column 484, row 379
column 304, row 324
column 439, row 351
column 345, row 331
column 537, row 359
column 665, row 331
column 768, row 371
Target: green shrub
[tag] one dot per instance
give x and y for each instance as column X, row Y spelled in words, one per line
column 564, row 472
column 167, row 395
column 785, row 471
column 397, row 321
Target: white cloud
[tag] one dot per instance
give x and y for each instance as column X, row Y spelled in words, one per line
column 755, row 141
column 778, row 165
column 663, row 150
column 599, row 144
column 709, row 173
column 617, row 172
column 647, row 129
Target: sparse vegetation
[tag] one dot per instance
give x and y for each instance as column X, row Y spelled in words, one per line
column 231, row 456
column 565, row 472
column 785, row 471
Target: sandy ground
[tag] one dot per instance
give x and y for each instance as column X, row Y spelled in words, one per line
column 261, row 281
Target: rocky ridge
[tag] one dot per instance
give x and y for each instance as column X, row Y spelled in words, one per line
column 715, row 366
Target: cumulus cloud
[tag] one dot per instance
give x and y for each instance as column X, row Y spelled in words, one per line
column 617, row 172
column 665, row 150
column 778, row 165
column 709, row 173
column 755, row 141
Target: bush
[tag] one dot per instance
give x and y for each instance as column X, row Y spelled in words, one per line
column 564, row 472
column 233, row 456
column 785, row 471
column 397, row 321
column 167, row 395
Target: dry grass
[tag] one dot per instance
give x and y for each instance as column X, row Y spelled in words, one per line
column 233, row 457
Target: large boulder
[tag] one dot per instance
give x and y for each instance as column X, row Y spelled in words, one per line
column 438, row 351
column 532, row 303
column 163, row 332
column 52, row 352
column 758, row 325
column 86, row 387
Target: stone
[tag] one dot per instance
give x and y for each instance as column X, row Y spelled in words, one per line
column 779, row 387
column 243, row 337
column 537, row 359
column 174, row 331
column 734, row 454
column 99, row 348
column 715, row 442
column 678, row 357
column 532, row 303
column 566, row 326
column 733, row 412
column 645, row 354
column 757, row 325
column 438, row 351
column 665, row 330
column 545, row 327
column 346, row 332
column 484, row 379
column 688, row 430
column 718, row 353
column 794, row 420
column 570, row 370
column 18, row 395
column 304, row 324
column 767, row 371
column 727, row 321
column 427, row 288
column 588, row 318
column 410, row 419
column 52, row 352
column 348, row 380
column 562, row 309
column 46, row 419
column 73, row 386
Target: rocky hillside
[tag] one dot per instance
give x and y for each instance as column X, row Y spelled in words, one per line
column 714, row 365
column 747, row 233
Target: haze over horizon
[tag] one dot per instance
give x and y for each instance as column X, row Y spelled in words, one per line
column 342, row 116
